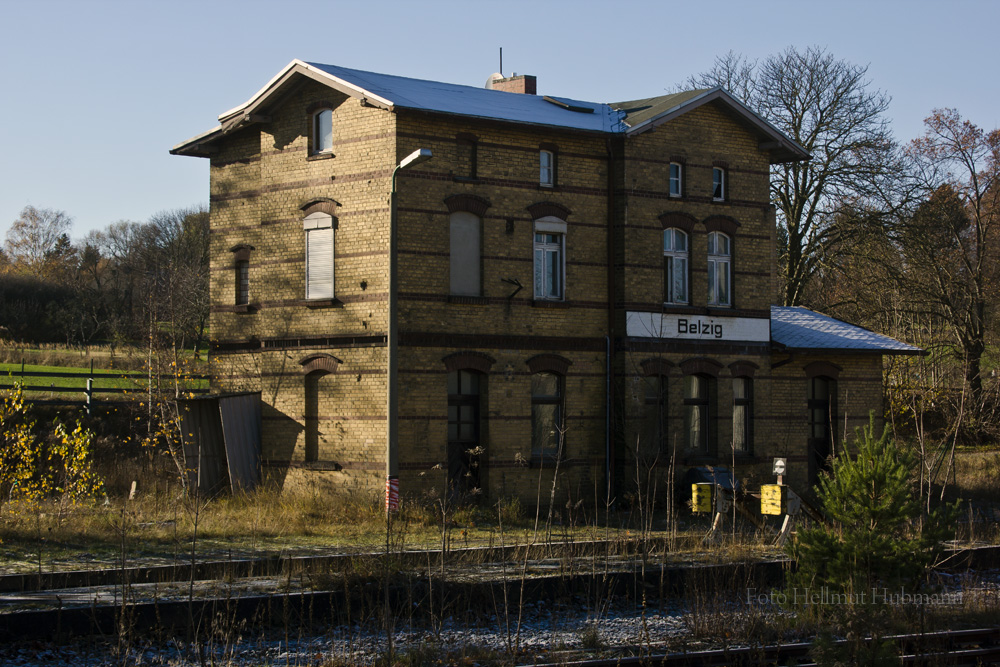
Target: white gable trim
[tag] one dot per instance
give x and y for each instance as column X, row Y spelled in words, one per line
column 299, row 67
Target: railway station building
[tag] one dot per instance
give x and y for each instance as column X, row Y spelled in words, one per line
column 576, row 284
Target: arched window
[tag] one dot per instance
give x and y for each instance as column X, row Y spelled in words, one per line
column 550, row 258
column 466, row 254
column 719, row 270
column 653, row 430
column 699, row 391
column 546, row 415
column 322, row 131
column 464, row 430
column 822, row 405
column 743, row 415
column 675, row 266
column 313, row 389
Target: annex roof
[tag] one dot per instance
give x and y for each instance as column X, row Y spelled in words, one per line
column 799, row 328
column 646, row 114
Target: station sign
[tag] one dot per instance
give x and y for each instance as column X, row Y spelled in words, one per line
column 697, row 327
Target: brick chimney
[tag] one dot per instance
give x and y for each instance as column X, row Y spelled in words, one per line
column 519, row 83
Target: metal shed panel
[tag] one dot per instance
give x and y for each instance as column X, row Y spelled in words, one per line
column 240, row 417
column 204, row 451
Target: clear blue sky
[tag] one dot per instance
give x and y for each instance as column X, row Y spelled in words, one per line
column 95, row 92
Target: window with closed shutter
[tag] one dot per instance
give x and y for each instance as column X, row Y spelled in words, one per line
column 465, row 254
column 319, row 256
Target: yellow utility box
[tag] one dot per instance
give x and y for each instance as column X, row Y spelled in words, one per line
column 702, row 497
column 773, row 499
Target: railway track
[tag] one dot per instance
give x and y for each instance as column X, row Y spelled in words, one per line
column 317, row 589
column 956, row 648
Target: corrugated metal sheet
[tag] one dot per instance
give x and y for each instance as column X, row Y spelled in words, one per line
column 801, row 328
column 240, row 417
column 221, row 436
column 204, row 452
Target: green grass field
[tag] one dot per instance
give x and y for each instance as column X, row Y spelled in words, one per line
column 74, row 380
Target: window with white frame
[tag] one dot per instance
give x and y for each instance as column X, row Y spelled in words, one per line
column 675, row 266
column 322, row 131
column 719, row 270
column 550, row 258
column 319, row 255
column 718, row 184
column 676, row 179
column 546, row 168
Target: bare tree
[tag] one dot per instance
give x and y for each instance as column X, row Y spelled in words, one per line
column 38, row 243
column 951, row 241
column 829, row 108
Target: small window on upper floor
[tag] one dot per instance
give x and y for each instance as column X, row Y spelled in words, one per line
column 546, row 168
column 322, row 131
column 719, row 270
column 718, row 184
column 467, row 164
column 676, row 179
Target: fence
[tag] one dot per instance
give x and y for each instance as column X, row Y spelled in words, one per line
column 89, row 383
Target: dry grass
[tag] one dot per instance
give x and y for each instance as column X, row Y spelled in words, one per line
column 976, row 475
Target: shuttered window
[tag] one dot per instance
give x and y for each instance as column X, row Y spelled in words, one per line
column 319, row 256
column 465, row 254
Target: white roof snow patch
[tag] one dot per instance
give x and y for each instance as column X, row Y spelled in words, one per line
column 801, row 328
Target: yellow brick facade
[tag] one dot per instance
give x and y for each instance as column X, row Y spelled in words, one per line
column 321, row 366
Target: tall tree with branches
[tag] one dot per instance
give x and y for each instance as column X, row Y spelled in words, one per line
column 828, row 106
column 951, row 241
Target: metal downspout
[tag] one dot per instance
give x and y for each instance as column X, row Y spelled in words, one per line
column 609, row 457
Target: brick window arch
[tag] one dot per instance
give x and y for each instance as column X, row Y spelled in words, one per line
column 469, row 360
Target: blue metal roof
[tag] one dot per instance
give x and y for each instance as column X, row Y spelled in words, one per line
column 479, row 102
column 801, row 328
